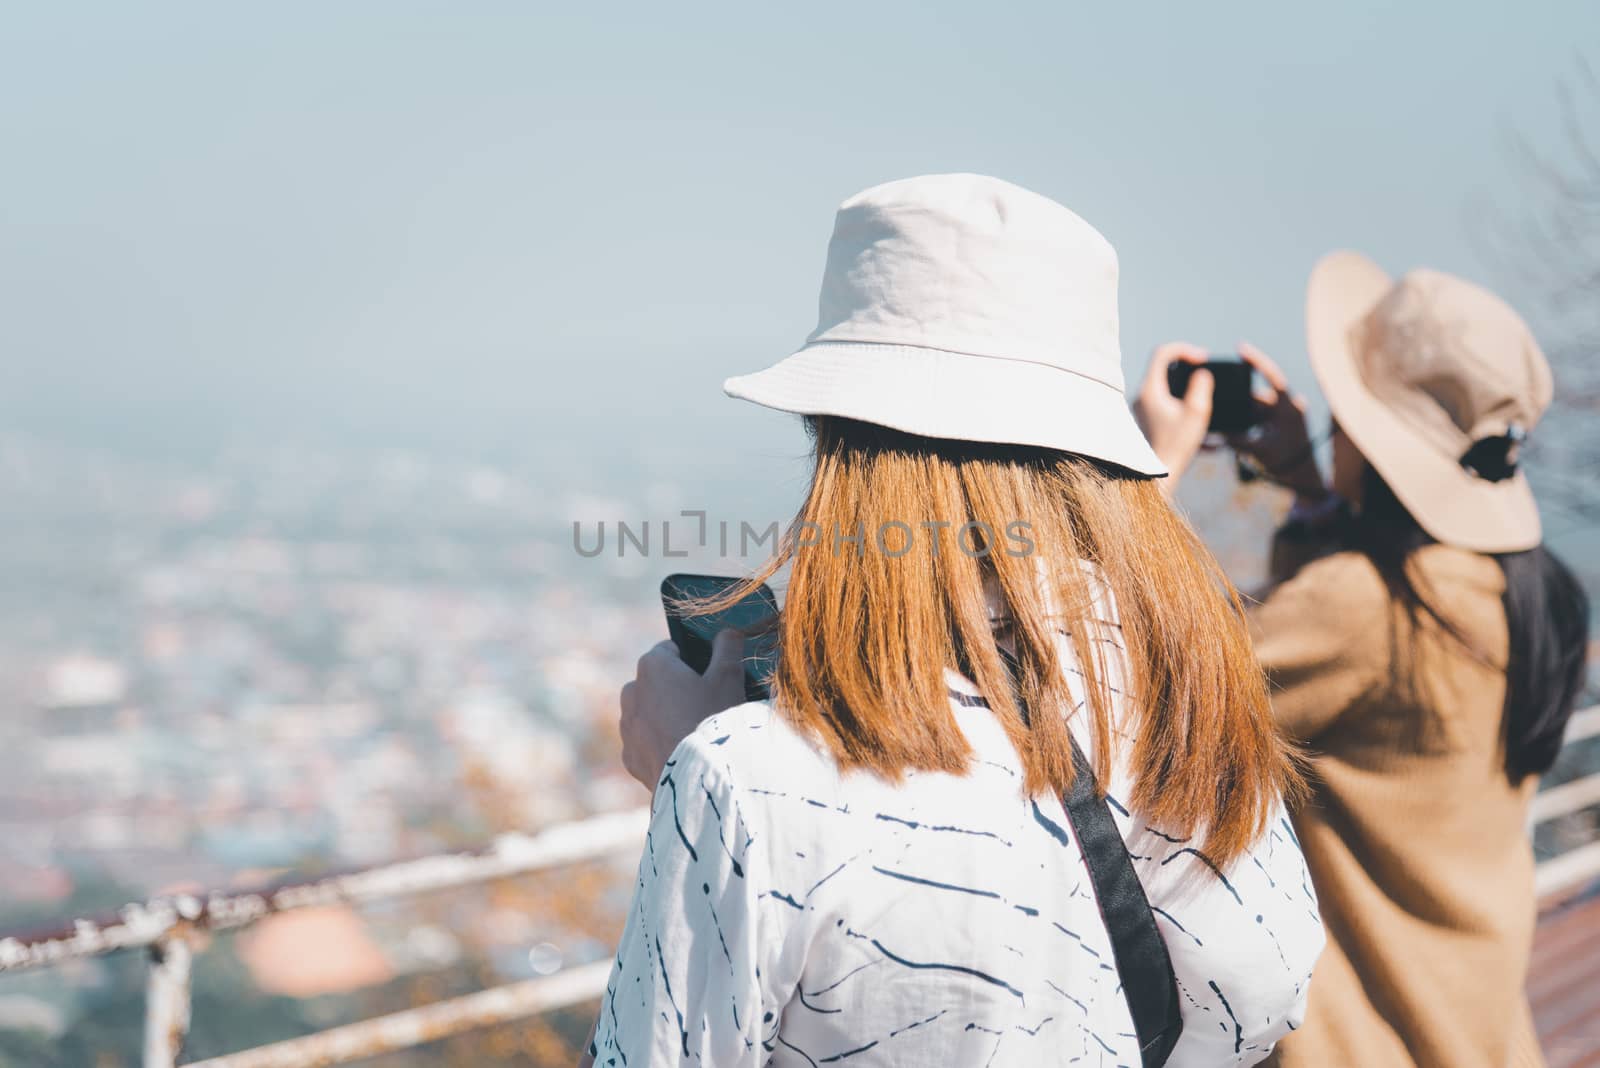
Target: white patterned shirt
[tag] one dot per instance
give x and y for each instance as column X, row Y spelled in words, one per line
column 786, row 914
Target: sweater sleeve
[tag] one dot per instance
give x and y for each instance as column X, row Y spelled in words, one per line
column 1322, row 638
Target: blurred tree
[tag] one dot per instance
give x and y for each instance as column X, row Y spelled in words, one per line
column 1551, row 244
column 574, row 906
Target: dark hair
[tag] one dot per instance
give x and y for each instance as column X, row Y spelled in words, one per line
column 1547, row 622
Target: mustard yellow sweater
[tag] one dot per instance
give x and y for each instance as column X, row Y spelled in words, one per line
column 1416, row 840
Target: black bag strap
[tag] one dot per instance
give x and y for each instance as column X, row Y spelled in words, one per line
column 1143, row 963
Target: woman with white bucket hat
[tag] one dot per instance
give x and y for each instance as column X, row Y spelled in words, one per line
column 1428, row 656
column 1016, row 798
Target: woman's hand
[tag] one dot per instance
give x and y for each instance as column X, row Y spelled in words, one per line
column 1174, row 426
column 1282, row 442
column 667, row 700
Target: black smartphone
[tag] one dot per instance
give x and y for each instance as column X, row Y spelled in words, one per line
column 755, row 615
column 1233, row 404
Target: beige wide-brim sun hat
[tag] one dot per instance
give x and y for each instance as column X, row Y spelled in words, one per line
column 1416, row 372
column 963, row 307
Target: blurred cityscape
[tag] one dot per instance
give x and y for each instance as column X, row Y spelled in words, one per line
column 296, row 662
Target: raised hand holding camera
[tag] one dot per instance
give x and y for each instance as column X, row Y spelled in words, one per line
column 1280, row 443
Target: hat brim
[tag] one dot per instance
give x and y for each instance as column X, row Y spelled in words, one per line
column 940, row 394
column 1451, row 504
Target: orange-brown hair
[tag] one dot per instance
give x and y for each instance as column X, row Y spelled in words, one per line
column 868, row 627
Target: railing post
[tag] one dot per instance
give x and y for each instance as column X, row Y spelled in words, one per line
column 166, row 1000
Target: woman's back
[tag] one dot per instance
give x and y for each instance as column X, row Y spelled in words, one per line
column 943, row 919
column 873, row 871
column 1415, row 834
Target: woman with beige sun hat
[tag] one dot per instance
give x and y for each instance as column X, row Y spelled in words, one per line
column 1423, row 645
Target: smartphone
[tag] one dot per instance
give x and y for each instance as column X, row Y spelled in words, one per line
column 755, row 615
column 1233, row 405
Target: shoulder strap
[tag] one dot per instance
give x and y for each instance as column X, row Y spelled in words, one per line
column 1143, row 964
column 1142, row 961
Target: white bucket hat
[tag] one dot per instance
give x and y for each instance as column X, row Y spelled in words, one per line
column 959, row 306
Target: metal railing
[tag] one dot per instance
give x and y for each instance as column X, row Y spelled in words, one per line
column 1579, row 865
column 170, row 929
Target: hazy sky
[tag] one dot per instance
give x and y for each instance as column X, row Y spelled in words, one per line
column 497, row 228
